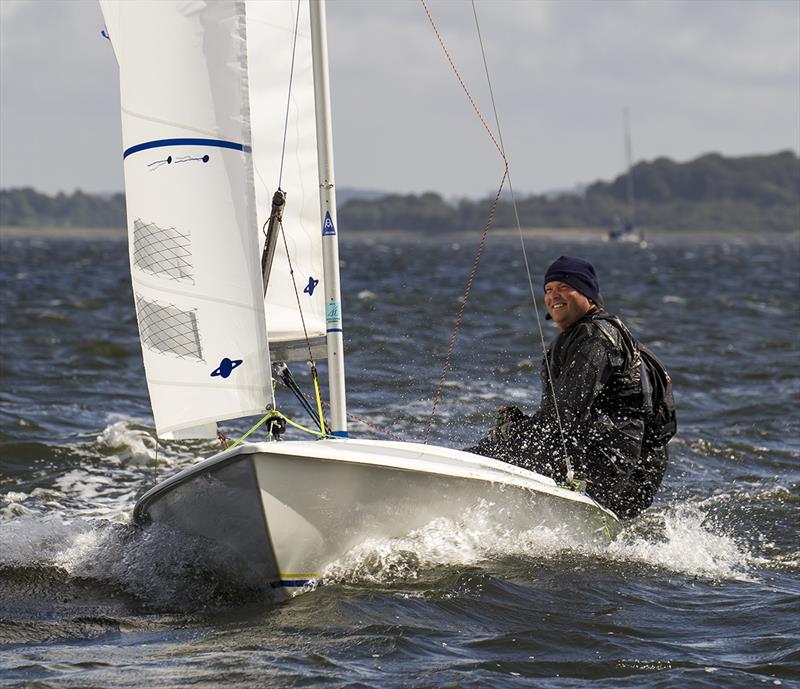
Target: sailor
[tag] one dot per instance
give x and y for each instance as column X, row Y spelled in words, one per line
column 594, row 408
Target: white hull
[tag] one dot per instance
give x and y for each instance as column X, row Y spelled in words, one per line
column 628, row 238
column 285, row 510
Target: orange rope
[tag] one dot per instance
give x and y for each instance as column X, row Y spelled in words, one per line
column 463, row 85
column 490, row 218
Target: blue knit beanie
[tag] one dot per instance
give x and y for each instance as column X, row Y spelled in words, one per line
column 577, row 273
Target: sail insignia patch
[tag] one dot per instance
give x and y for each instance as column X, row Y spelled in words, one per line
column 226, row 367
column 327, row 227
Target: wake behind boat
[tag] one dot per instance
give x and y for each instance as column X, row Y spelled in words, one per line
column 203, row 118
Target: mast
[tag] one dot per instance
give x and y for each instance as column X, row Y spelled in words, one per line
column 629, row 161
column 330, row 239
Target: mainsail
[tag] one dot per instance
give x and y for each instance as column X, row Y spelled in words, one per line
column 192, row 225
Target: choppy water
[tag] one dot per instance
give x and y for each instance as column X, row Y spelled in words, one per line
column 700, row 591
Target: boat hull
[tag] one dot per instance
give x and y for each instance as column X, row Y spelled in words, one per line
column 284, row 511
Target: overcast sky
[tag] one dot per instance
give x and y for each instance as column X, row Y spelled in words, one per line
column 698, row 76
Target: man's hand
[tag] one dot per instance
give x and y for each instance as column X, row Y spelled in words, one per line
column 507, row 415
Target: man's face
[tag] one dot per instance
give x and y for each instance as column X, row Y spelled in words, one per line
column 565, row 304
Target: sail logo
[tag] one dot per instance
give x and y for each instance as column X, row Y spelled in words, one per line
column 169, row 160
column 311, row 286
column 333, row 313
column 226, row 367
column 327, row 227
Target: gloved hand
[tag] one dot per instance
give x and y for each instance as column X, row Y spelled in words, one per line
column 507, row 415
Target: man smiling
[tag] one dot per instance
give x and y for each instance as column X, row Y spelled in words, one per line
column 571, row 290
column 594, row 408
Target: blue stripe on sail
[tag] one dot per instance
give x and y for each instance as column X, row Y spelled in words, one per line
column 160, row 143
column 340, row 434
column 335, row 330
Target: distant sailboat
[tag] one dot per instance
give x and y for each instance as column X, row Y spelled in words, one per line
column 627, row 230
column 204, row 95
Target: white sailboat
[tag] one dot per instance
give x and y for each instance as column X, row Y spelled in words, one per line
column 204, row 109
column 628, row 230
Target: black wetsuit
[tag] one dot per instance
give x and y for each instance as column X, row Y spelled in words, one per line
column 596, row 378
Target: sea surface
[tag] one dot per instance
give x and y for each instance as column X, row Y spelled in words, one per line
column 702, row 590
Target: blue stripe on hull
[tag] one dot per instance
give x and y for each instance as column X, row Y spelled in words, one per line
column 289, row 583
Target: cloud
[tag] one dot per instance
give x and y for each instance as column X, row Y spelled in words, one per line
column 59, row 98
column 698, row 76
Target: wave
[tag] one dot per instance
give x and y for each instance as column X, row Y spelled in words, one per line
column 680, row 539
column 135, row 569
column 127, row 443
column 78, row 526
column 157, row 569
column 96, row 476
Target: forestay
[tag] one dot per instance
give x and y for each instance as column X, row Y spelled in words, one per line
column 270, row 46
column 192, row 226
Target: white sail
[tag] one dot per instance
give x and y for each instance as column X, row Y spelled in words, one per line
column 192, row 228
column 270, row 46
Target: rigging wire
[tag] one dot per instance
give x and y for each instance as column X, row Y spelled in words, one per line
column 375, row 427
column 289, row 95
column 490, row 218
column 570, row 472
column 311, row 362
column 155, row 463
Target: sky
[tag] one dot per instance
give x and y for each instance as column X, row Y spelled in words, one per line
column 697, row 76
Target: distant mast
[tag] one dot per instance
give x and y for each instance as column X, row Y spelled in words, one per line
column 631, row 222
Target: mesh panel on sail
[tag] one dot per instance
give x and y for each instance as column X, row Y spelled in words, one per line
column 168, row 329
column 162, row 251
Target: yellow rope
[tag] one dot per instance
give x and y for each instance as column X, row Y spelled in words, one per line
column 275, row 414
column 319, row 399
column 239, row 442
column 302, row 428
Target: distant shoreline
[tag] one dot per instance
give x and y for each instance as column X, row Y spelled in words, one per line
column 566, row 234
column 63, row 232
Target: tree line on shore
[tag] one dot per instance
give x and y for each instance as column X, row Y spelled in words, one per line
column 712, row 192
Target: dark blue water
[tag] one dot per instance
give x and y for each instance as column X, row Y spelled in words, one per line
column 702, row 590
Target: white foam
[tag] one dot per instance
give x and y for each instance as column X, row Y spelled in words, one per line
column 681, row 540
column 129, row 445
column 677, row 539
column 112, row 470
column 442, row 541
column 476, row 537
column 36, row 540
column 162, row 568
